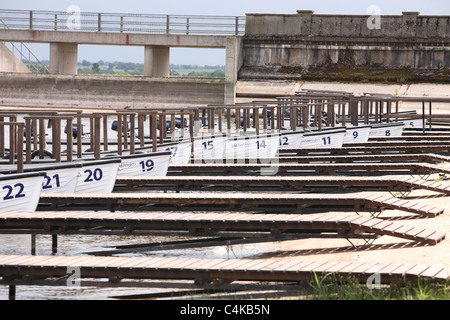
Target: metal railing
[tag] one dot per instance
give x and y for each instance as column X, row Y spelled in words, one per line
column 123, row 23
column 24, row 53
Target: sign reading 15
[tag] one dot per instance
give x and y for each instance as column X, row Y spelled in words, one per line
column 208, row 145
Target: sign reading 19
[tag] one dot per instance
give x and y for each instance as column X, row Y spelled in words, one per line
column 147, row 165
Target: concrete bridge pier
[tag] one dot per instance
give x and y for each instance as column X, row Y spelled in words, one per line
column 63, row 58
column 156, row 61
column 234, row 60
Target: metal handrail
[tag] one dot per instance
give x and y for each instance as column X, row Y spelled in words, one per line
column 129, row 22
column 30, row 53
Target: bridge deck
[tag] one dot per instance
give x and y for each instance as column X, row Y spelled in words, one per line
column 207, row 271
column 245, row 201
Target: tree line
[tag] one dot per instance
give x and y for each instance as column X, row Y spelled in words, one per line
column 131, row 68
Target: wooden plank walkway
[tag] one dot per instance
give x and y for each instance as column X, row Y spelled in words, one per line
column 373, row 150
column 404, row 157
column 207, row 271
column 397, row 143
column 345, row 225
column 292, row 183
column 244, row 201
column 279, row 168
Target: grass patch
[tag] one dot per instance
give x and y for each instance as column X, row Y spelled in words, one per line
column 329, row 288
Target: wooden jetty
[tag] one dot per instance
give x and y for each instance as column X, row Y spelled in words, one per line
column 262, row 216
column 243, row 201
column 54, row 270
column 321, row 168
column 277, row 183
column 349, row 158
column 432, row 147
column 213, row 224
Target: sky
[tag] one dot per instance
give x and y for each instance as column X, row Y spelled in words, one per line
column 208, row 7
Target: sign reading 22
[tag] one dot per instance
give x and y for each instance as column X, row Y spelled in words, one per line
column 10, row 194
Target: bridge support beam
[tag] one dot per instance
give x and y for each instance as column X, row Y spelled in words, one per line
column 156, row 61
column 63, row 58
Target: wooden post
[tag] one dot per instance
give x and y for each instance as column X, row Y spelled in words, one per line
column 319, row 108
column 172, row 128
column 20, row 128
column 272, row 119
column 256, row 119
column 119, row 134
column 305, row 116
column 141, row 119
column 132, row 137
column 162, row 128
column 265, row 119
column 228, row 121
column 79, row 137
column 293, row 118
column 237, row 120
column 92, row 130
column 429, row 108
column 54, row 243
column 12, row 142
column 12, row 292
column 125, row 131
column 27, row 140
column 154, row 134
column 2, row 136
column 192, row 124
column 69, row 138
column 182, row 125
column 244, row 119
column 34, row 124
column 219, row 120
column 56, row 139
column 105, row 132
column 279, row 117
column 33, row 244
column 97, row 137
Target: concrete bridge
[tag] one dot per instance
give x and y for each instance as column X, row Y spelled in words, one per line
column 300, row 46
column 64, row 31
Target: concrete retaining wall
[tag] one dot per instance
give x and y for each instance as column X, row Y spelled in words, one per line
column 106, row 91
column 345, row 47
column 306, row 23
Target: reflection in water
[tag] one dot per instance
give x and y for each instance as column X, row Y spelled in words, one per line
column 81, row 245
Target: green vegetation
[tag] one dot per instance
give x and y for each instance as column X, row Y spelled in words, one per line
column 137, row 69
column 329, row 288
